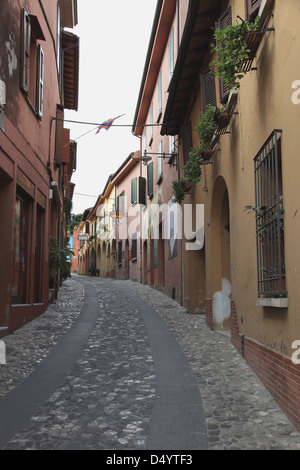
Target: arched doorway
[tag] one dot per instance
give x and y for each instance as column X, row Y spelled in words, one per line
column 221, row 268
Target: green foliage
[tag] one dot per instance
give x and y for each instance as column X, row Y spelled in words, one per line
column 67, row 209
column 232, row 51
column 192, row 168
column 206, row 128
column 77, row 220
column 58, row 258
column 178, row 189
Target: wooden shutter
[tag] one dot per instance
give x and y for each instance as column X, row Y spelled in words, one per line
column 133, row 190
column 224, row 21
column 150, row 179
column 25, row 62
column 142, row 191
column 40, row 81
column 208, row 89
column 252, row 6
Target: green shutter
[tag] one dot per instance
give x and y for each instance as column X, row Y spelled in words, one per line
column 133, row 190
column 150, row 179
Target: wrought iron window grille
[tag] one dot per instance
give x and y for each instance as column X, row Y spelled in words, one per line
column 270, row 219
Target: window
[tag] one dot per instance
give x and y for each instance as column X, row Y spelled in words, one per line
column 252, row 7
column 151, row 124
column 142, row 190
column 171, row 54
column 208, row 90
column 270, row 218
column 160, row 163
column 22, row 238
column 224, row 21
column 40, row 91
column 134, row 247
column 133, row 190
column 32, row 62
column 159, row 92
column 138, row 190
column 121, row 202
column 150, row 179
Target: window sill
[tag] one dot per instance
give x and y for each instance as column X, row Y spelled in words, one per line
column 273, row 302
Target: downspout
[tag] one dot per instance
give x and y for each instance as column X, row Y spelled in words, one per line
column 141, row 217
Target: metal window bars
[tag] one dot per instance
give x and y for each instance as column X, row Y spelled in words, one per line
column 253, row 39
column 270, row 218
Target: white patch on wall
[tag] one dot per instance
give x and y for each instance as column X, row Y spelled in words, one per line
column 2, row 93
column 11, row 54
column 221, row 303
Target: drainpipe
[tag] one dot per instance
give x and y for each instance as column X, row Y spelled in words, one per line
column 141, row 217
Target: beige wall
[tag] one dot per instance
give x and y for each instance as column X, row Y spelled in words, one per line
column 264, row 104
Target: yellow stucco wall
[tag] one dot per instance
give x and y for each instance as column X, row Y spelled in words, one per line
column 264, row 103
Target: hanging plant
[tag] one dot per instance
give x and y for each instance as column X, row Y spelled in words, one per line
column 232, row 52
column 178, row 190
column 192, row 168
column 205, row 129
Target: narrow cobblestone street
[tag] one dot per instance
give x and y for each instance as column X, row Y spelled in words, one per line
column 122, row 391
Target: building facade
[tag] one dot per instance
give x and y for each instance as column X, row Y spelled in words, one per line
column 161, row 251
column 247, row 273
column 38, row 80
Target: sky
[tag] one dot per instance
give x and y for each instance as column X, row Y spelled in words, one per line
column 114, row 37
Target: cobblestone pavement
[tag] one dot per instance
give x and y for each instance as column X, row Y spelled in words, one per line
column 107, row 398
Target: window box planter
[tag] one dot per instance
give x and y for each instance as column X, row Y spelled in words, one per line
column 222, row 119
column 187, row 187
column 236, row 47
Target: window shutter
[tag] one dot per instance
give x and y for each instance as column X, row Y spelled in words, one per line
column 159, row 92
column 133, row 190
column 40, row 81
column 26, row 38
column 150, row 179
column 171, row 54
column 252, row 6
column 224, row 21
column 142, row 191
column 159, row 162
column 187, row 140
column 208, row 89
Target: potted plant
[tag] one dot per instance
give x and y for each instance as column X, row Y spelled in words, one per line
column 205, row 131
column 232, row 48
column 58, row 261
column 222, row 119
column 192, row 168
